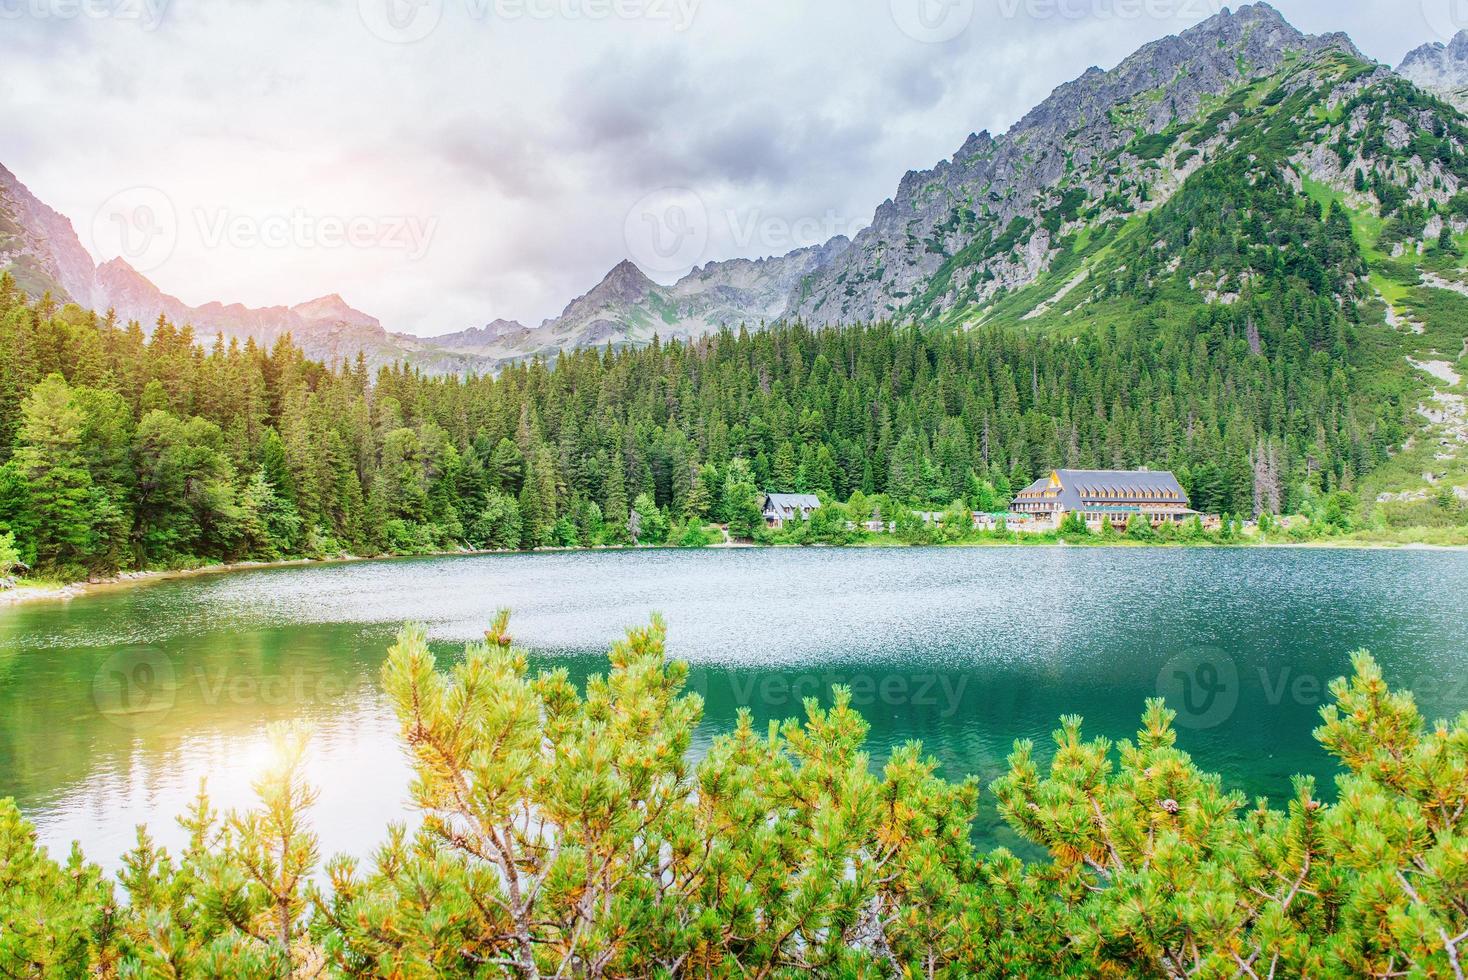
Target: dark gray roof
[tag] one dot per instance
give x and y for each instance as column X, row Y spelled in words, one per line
column 1037, row 486
column 792, row 501
column 1112, row 486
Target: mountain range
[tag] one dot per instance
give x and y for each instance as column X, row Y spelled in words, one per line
column 1007, row 229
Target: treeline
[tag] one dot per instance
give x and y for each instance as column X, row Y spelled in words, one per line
column 121, row 448
column 567, row 834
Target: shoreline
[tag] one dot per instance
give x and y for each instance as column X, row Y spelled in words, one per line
column 24, row 594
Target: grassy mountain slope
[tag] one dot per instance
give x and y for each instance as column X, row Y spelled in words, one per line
column 1323, row 206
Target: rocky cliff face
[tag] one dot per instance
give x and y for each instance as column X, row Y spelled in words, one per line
column 39, row 246
column 987, row 220
column 1440, row 68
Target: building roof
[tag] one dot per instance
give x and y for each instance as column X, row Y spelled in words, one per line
column 792, row 501
column 1076, row 487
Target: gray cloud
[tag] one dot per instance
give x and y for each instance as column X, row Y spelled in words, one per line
column 527, row 141
column 513, row 159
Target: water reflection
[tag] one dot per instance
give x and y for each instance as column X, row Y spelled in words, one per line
column 113, row 707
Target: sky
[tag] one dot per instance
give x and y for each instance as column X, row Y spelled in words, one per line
column 443, row 163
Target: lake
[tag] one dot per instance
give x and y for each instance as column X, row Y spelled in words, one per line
column 964, row 649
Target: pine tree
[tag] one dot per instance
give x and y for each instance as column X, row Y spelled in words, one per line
column 616, row 509
column 49, row 457
column 565, row 831
column 741, row 501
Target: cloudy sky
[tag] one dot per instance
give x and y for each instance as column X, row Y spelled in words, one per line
column 441, row 163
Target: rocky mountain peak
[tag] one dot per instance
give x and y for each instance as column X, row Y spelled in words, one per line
column 485, row 338
column 626, row 283
column 118, row 268
column 976, row 223
column 1441, row 68
column 952, row 242
column 333, row 309
column 1437, row 52
column 132, row 295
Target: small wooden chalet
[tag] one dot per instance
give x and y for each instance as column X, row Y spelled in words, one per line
column 782, row 507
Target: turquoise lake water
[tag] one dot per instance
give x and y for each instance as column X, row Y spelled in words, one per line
column 964, row 649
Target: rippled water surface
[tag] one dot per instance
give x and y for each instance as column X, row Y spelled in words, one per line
column 114, row 706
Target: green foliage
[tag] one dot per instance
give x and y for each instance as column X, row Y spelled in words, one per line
column 498, row 523
column 741, row 501
column 649, row 523
column 9, row 554
column 55, row 920
column 152, row 458
column 694, row 535
column 1139, row 528
column 147, row 451
column 1073, row 524
column 59, row 486
column 568, row 832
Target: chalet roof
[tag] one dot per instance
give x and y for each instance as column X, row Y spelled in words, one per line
column 792, row 501
column 1037, row 486
column 1091, row 481
column 1077, row 486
